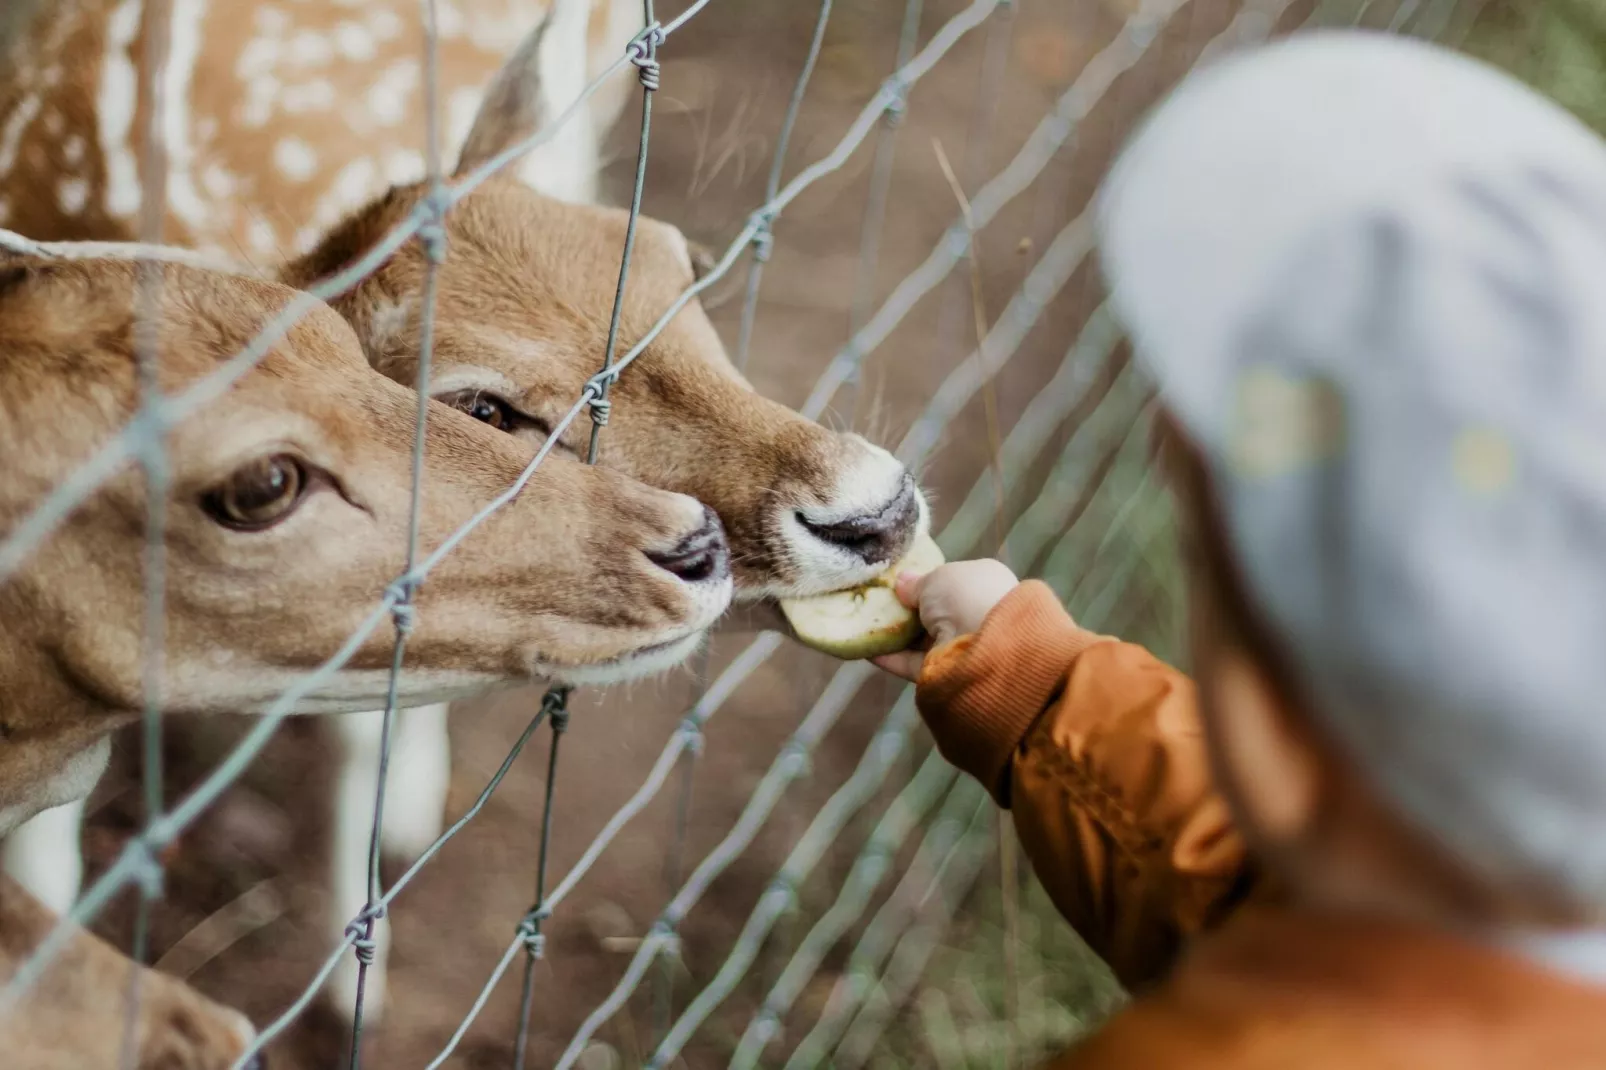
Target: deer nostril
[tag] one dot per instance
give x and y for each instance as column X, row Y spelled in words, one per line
column 701, row 556
column 875, row 537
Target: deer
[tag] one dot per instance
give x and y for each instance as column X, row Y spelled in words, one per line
column 287, row 512
column 523, row 296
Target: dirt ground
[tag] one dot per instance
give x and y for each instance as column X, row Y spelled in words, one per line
column 251, row 871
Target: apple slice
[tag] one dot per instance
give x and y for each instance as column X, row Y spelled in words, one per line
column 865, row 621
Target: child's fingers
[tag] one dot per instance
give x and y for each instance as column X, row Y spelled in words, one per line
column 905, row 663
column 908, row 588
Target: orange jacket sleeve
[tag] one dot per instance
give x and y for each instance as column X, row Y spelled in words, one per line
column 1096, row 747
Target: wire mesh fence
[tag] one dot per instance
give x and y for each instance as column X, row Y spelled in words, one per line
column 1067, row 495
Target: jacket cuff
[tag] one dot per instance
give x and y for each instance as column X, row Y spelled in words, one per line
column 981, row 693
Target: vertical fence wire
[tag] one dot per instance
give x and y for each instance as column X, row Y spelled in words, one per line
column 154, row 462
column 555, row 705
column 875, row 212
column 858, row 1029
column 106, row 460
column 432, row 236
column 764, row 239
column 882, row 973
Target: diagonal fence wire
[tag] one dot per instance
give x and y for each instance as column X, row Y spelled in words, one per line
column 1046, row 280
column 860, row 1027
column 155, row 463
column 433, row 238
column 73, row 490
column 1066, row 251
column 135, row 859
column 140, row 442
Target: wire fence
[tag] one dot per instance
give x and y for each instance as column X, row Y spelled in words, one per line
column 1096, row 527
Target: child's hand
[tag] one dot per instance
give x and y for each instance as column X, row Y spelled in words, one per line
column 952, row 601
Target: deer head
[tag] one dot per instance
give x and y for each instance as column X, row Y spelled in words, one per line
column 522, row 318
column 287, row 515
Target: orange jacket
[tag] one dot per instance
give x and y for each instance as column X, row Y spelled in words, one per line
column 1095, row 746
column 1097, row 749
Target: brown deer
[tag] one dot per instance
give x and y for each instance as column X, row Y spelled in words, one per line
column 287, row 515
column 524, row 295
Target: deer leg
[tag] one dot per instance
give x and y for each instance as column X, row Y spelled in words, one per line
column 44, row 855
column 421, row 771
column 72, row 1019
column 354, row 814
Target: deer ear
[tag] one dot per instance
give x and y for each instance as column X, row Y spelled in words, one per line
column 514, row 106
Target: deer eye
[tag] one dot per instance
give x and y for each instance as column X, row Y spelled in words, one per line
column 486, row 408
column 259, row 494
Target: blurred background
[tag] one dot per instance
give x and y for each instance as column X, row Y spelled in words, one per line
column 959, row 959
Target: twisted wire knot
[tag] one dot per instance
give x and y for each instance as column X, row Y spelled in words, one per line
column 529, row 930
column 432, row 232
column 897, row 100
column 402, row 611
column 664, row 934
column 149, row 873
column 763, row 236
column 595, row 393
column 643, row 52
column 692, row 732
column 358, row 932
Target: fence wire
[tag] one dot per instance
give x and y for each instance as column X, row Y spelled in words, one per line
column 1097, row 525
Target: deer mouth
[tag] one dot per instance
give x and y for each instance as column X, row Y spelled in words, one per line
column 634, row 664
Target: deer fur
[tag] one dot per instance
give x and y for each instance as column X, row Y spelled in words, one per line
column 524, row 294
column 568, row 581
column 74, row 1018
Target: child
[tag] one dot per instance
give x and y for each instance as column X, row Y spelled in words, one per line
column 1369, row 278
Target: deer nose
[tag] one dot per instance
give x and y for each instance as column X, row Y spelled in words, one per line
column 878, row 537
column 699, row 557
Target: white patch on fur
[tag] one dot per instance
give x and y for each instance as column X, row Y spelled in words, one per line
column 295, row 159
column 865, row 486
column 461, row 107
column 260, row 237
column 387, row 99
column 72, row 194
column 383, row 23
column 16, row 125
column 353, row 186
column 387, row 320
column 449, row 20
column 114, row 110
column 260, row 56
column 404, row 165
column 316, row 95
column 219, row 182
column 43, row 855
column 261, row 95
column 72, row 150
column 312, row 49
column 565, row 167
column 634, row 668
column 55, row 124
column 74, row 781
column 271, row 22
column 355, row 41
column 184, row 48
